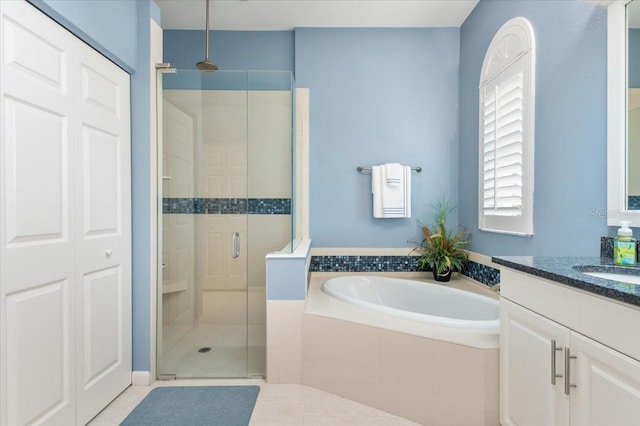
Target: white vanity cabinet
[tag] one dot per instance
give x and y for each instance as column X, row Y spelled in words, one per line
column 607, row 385
column 567, row 357
column 527, row 396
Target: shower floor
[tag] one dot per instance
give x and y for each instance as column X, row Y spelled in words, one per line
column 229, row 355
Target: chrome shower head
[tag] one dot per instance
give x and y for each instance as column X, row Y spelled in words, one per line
column 206, row 64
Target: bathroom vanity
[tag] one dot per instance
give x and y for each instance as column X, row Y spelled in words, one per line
column 569, row 343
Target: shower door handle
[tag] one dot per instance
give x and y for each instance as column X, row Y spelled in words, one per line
column 235, row 245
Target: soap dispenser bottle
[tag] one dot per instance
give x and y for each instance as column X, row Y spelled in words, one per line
column 624, row 246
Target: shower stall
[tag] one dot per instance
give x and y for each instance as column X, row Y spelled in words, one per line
column 225, row 190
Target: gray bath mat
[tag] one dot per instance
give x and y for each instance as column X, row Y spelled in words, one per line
column 195, row 405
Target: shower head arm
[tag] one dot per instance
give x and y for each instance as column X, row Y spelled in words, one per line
column 206, row 33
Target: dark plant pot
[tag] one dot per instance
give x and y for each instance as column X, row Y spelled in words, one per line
column 442, row 277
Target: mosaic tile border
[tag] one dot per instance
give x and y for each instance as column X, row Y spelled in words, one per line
column 269, row 206
column 484, row 274
column 476, row 271
column 363, row 264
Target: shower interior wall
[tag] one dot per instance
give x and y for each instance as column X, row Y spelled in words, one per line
column 222, row 144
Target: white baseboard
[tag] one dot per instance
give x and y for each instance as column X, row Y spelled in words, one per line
column 141, row 378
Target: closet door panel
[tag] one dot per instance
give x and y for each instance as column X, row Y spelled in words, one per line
column 37, row 291
column 38, row 341
column 101, row 299
column 103, row 232
column 37, row 178
column 39, row 54
column 101, row 193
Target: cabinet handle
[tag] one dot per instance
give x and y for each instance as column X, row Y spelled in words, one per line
column 235, row 245
column 554, row 349
column 567, row 370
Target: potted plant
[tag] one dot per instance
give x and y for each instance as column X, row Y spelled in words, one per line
column 441, row 251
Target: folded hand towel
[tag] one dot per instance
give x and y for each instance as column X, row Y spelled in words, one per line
column 393, row 174
column 391, row 199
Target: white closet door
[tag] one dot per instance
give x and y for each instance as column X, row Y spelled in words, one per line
column 103, row 195
column 37, row 236
column 65, row 296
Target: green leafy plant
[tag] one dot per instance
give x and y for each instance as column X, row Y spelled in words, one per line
column 442, row 248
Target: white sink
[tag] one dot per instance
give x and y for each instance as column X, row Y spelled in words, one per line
column 632, row 279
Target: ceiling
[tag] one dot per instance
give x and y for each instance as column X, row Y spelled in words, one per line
column 271, row 15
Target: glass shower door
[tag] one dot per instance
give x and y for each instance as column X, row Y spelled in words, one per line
column 203, row 312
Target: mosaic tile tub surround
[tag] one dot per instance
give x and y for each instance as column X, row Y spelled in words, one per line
column 269, row 206
column 482, row 273
column 363, row 264
column 474, row 270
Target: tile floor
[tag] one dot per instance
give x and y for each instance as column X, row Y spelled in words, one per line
column 281, row 405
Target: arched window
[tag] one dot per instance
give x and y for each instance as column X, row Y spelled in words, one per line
column 506, row 138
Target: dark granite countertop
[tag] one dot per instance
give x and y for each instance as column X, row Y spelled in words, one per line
column 561, row 269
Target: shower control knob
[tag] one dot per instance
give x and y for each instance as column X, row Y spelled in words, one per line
column 108, row 252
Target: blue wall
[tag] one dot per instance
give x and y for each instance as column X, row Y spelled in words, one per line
column 377, row 96
column 634, row 57
column 570, row 197
column 110, row 27
column 141, row 190
column 286, row 278
column 231, row 50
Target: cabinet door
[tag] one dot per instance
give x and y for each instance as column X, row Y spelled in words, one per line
column 527, row 396
column 607, row 383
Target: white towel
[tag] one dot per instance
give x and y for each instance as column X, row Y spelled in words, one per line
column 391, row 200
column 376, row 190
column 394, row 174
column 407, row 191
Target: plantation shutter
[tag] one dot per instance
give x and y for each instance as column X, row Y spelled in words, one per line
column 506, row 131
column 502, row 142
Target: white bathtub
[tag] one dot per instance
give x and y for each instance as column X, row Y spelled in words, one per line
column 418, row 301
column 438, row 365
